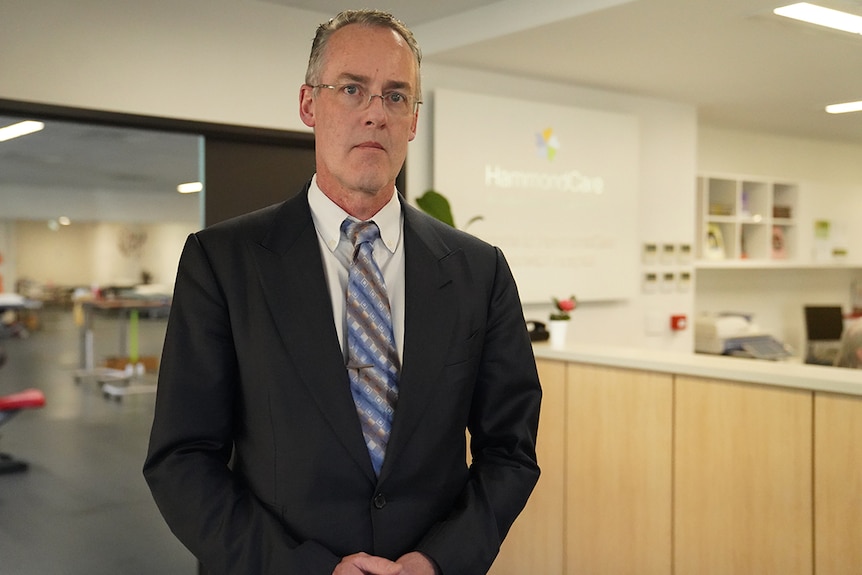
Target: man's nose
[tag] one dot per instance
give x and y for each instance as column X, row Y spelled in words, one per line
column 376, row 111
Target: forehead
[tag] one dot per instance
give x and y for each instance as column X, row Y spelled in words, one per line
column 376, row 52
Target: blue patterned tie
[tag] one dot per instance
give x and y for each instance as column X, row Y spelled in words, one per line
column 372, row 358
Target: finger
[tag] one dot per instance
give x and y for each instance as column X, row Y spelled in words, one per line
column 365, row 564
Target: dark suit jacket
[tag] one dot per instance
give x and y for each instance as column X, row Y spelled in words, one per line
column 252, row 371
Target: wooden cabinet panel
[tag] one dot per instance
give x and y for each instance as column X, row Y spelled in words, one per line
column 618, row 496
column 742, row 477
column 838, row 484
column 535, row 542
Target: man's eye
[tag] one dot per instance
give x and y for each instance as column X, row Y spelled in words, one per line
column 352, row 90
column 396, row 97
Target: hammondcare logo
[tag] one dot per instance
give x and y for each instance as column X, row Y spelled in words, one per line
column 547, row 144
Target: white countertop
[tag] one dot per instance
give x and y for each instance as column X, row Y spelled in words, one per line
column 784, row 374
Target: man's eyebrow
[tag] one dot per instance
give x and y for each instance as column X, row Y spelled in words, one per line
column 347, row 77
column 395, row 85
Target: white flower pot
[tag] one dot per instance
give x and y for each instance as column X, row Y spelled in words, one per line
column 558, row 329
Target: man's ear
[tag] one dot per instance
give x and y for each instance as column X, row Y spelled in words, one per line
column 413, row 125
column 306, row 105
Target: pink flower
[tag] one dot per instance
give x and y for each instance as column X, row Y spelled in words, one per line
column 564, row 306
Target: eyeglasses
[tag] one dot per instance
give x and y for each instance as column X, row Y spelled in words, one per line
column 355, row 96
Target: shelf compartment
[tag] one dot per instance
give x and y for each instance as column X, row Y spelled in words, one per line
column 754, row 241
column 722, row 197
column 784, row 201
column 755, row 200
column 756, row 218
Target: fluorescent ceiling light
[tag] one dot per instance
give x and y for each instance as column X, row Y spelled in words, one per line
column 844, row 108
column 821, row 16
column 190, row 188
column 20, row 129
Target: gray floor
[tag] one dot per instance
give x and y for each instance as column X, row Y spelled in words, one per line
column 83, row 506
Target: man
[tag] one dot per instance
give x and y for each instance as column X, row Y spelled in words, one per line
column 261, row 457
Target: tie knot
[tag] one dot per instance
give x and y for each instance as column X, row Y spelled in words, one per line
column 360, row 232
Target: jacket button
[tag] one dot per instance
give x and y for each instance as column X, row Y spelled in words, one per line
column 379, row 501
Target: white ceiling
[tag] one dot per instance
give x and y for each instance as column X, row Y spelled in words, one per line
column 740, row 66
column 743, row 67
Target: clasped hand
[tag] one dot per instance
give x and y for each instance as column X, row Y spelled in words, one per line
column 413, row 563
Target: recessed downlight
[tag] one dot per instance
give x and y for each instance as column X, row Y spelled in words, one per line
column 190, row 188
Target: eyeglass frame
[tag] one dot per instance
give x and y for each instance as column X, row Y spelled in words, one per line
column 413, row 108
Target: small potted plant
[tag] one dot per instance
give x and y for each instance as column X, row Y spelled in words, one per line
column 560, row 317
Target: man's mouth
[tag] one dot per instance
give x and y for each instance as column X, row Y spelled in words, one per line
column 371, row 145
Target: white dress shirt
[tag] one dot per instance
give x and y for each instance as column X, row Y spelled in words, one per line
column 336, row 252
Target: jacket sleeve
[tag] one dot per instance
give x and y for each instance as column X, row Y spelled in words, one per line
column 503, row 427
column 187, row 465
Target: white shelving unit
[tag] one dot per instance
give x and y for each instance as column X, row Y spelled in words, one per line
column 746, row 220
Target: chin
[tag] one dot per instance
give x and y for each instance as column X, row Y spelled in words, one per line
column 372, row 188
column 371, row 182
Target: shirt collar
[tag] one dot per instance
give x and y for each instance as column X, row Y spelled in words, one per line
column 327, row 217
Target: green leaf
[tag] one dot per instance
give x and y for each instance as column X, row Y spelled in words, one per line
column 436, row 205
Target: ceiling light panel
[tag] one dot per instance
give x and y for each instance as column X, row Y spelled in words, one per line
column 844, row 108
column 20, row 129
column 814, row 14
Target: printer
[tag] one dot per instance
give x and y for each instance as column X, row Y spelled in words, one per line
column 735, row 334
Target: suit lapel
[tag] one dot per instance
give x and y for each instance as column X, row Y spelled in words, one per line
column 294, row 285
column 429, row 295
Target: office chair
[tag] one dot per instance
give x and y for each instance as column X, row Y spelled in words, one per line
column 823, row 327
column 11, row 405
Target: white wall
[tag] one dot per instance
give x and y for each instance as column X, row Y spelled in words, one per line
column 830, row 179
column 88, row 253
column 232, row 61
column 829, row 175
column 667, row 173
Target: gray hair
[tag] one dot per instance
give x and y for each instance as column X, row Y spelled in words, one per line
column 364, row 18
column 851, row 344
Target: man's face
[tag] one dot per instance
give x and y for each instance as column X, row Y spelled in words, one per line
column 361, row 149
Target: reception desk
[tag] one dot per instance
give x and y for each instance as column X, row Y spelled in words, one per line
column 664, row 463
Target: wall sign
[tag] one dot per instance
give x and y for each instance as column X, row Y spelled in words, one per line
column 556, row 186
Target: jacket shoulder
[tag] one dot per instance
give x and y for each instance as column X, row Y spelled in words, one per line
column 263, row 225
column 442, row 236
